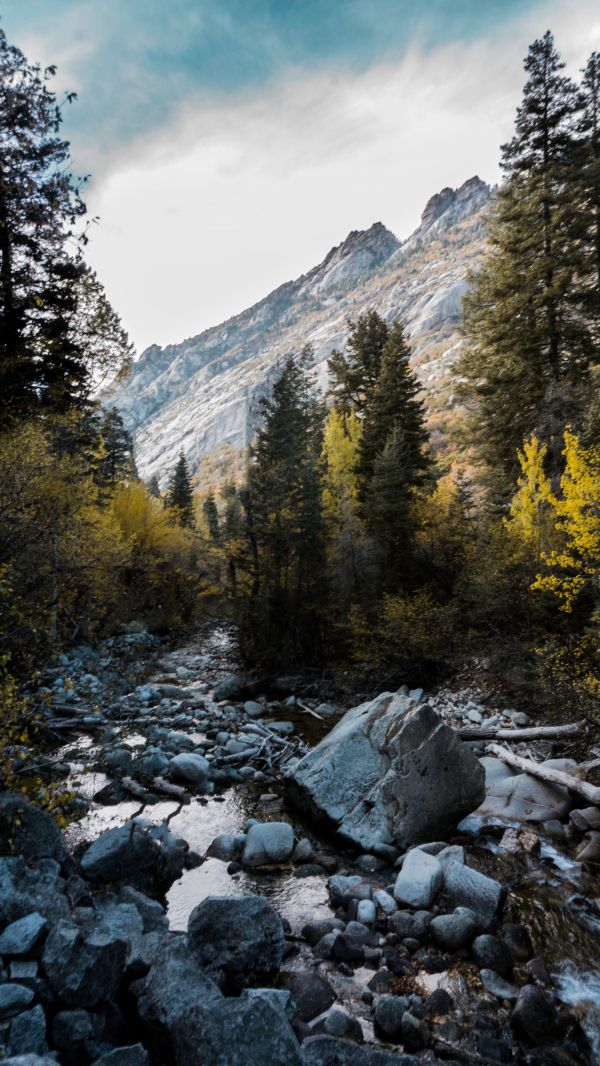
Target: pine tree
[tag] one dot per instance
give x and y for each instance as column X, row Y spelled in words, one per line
column 180, row 493
column 154, row 488
column 283, row 506
column 590, row 179
column 117, row 462
column 354, row 372
column 56, row 326
column 529, row 347
column 393, row 409
column 211, row 514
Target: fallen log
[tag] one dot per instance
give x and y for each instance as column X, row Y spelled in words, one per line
column 538, row 732
column 548, row 773
column 169, row 789
column 134, row 788
column 309, row 710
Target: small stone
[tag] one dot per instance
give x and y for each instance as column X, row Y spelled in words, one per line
column 14, row 999
column 388, row 1016
column 366, row 912
column 454, row 931
column 497, row 986
column 535, row 1018
column 490, row 953
column 420, row 880
column 27, row 1033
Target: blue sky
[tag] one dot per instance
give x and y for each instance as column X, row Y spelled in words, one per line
column 232, row 142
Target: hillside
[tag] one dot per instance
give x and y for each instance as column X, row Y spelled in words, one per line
column 201, row 394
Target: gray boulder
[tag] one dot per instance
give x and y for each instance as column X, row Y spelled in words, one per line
column 21, row 936
column 233, row 1031
column 229, row 687
column 13, row 999
column 535, row 1018
column 24, row 890
column 465, row 887
column 420, row 880
column 27, row 1033
column 389, row 773
column 174, row 987
column 30, row 1060
column 83, row 971
column 147, row 857
column 454, row 931
column 237, row 942
column 268, row 842
column 192, row 769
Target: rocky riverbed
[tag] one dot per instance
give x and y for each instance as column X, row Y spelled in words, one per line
column 260, row 877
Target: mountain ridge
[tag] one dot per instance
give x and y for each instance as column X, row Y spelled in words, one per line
column 200, row 393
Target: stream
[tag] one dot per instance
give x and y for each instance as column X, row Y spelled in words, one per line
column 557, row 899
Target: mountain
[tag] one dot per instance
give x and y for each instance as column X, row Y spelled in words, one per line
column 201, row 394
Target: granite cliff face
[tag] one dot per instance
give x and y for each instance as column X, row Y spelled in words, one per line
column 202, row 393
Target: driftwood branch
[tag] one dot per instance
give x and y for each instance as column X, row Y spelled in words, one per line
column 548, row 773
column 539, row 732
column 169, row 789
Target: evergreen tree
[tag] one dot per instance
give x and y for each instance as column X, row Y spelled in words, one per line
column 590, row 179
column 117, row 462
column 529, row 347
column 154, row 488
column 180, row 493
column 283, row 507
column 354, row 372
column 49, row 348
column 211, row 514
column 393, row 410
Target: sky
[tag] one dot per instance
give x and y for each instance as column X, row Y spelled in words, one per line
column 232, row 143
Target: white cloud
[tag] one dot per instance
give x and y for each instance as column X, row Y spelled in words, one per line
column 204, row 217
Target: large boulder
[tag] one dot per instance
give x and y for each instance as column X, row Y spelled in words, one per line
column 83, row 970
column 389, row 773
column 149, row 858
column 238, row 942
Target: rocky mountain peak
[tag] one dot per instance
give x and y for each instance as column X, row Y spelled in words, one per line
column 467, row 198
column 361, row 251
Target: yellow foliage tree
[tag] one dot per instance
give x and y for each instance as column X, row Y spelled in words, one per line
column 533, row 504
column 340, row 452
column 575, row 566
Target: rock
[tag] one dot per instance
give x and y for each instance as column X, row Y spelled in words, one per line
column 24, row 890
column 311, row 994
column 74, row 1030
column 13, row 999
column 152, row 762
column 590, row 848
column 228, row 688
column 303, row 852
column 121, row 921
column 518, row 941
column 134, row 1055
column 333, row 1051
column 490, row 953
column 388, row 1016
column 30, row 832
column 174, row 987
column 253, row 709
column 30, row 1060
column 454, row 931
column 388, row 773
column 497, row 986
column 27, row 1033
column 366, row 913
column 439, row 1002
column 466, row 887
column 419, row 881
column 268, row 842
column 238, row 942
column 534, row 1017
column 338, row 1022
column 192, row 769
column 516, row 797
column 585, row 818
column 415, row 926
column 83, row 971
column 225, row 847
column 314, row 931
column 152, row 913
column 149, row 858
column 386, row 903
column 277, row 997
column 229, row 1032
column 21, row 936
column 415, row 1035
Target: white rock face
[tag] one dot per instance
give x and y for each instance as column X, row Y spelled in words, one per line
column 203, row 392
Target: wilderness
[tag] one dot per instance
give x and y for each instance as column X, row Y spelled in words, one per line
column 300, row 631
